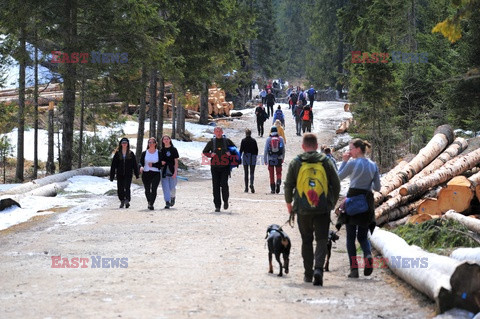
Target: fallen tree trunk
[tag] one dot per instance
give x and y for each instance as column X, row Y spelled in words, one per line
column 379, row 196
column 50, row 190
column 452, row 168
column 443, row 137
column 442, row 279
column 472, row 224
column 57, row 178
column 467, row 254
column 398, row 213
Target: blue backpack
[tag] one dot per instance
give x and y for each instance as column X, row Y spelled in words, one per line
column 279, row 115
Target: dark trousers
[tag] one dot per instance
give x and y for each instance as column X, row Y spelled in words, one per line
column 311, row 101
column 298, row 124
column 260, row 128
column 150, row 182
column 220, row 181
column 306, row 126
column 270, row 110
column 264, row 100
column 123, row 187
column 360, row 233
column 310, row 225
column 246, row 168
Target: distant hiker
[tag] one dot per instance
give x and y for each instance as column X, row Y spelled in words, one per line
column 328, row 153
column 307, row 118
column 169, row 158
column 302, row 97
column 311, row 95
column 270, row 102
column 274, row 154
column 150, row 166
column 124, row 165
column 263, row 95
column 249, row 152
column 292, row 99
column 313, row 186
column 262, row 116
column 217, row 150
column 297, row 114
column 364, row 177
column 278, row 115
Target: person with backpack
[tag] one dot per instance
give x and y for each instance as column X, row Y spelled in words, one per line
column 249, row 152
column 328, row 153
column 280, row 130
column 150, row 166
column 313, row 185
column 311, row 95
column 307, row 118
column 169, row 158
column 292, row 99
column 124, row 165
column 274, row 154
column 278, row 115
column 364, row 177
column 270, row 102
column 297, row 113
column 262, row 116
column 217, row 149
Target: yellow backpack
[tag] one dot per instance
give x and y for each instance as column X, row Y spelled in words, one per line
column 312, row 187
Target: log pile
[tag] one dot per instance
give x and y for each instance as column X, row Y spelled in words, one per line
column 432, row 183
column 344, row 126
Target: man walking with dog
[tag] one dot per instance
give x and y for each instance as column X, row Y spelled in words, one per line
column 313, row 185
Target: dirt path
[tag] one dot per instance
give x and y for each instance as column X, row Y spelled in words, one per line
column 188, row 262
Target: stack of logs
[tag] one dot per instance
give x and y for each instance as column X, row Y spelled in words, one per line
column 418, row 187
column 217, row 106
column 47, row 93
column 345, row 125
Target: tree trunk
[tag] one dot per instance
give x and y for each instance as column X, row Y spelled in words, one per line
column 141, row 113
column 429, row 206
column 152, row 105
column 398, row 213
column 452, row 168
column 467, row 254
column 204, row 107
column 471, row 223
column 50, row 190
column 21, row 105
column 457, row 195
column 69, row 81
column 443, row 136
column 35, row 111
column 161, row 102
column 50, row 157
column 442, row 279
column 82, row 115
column 174, row 116
column 378, row 196
column 180, row 110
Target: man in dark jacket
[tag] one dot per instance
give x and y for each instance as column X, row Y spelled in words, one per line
column 270, row 102
column 217, row 150
column 262, row 116
column 310, row 222
column 248, row 153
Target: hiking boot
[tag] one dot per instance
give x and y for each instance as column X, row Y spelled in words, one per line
column 150, row 206
column 167, row 205
column 353, row 273
column 277, row 190
column 246, row 190
column 318, row 277
column 307, row 278
column 172, row 201
column 122, row 203
column 252, row 189
column 272, row 188
column 367, row 271
column 225, row 205
column 217, row 209
column 127, row 203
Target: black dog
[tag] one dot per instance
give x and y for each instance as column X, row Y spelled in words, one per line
column 278, row 243
column 332, row 237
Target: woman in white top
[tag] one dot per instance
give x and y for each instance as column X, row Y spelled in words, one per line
column 150, row 167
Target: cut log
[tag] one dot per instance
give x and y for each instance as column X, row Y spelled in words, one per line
column 429, row 206
column 443, row 137
column 378, row 196
column 50, row 190
column 344, row 126
column 477, row 192
column 443, row 279
column 472, row 224
column 7, row 203
column 398, row 212
column 27, row 187
column 467, row 254
column 457, row 195
column 452, row 168
column 420, row 218
column 396, row 223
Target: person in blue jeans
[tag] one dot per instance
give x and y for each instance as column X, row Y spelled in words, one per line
column 364, row 177
column 169, row 158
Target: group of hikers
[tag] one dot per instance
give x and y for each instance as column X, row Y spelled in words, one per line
column 156, row 165
column 311, row 187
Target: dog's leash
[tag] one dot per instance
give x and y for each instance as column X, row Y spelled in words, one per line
column 290, row 221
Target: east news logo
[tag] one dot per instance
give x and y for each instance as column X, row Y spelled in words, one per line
column 84, row 262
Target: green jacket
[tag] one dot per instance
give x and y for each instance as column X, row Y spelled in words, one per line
column 291, row 180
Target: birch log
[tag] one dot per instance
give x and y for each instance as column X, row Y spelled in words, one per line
column 472, row 224
column 457, row 195
column 467, row 254
column 450, row 283
column 399, row 212
column 443, row 137
column 379, row 196
column 27, row 187
column 452, row 168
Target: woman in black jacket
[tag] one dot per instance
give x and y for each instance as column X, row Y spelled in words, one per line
column 249, row 152
column 124, row 165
